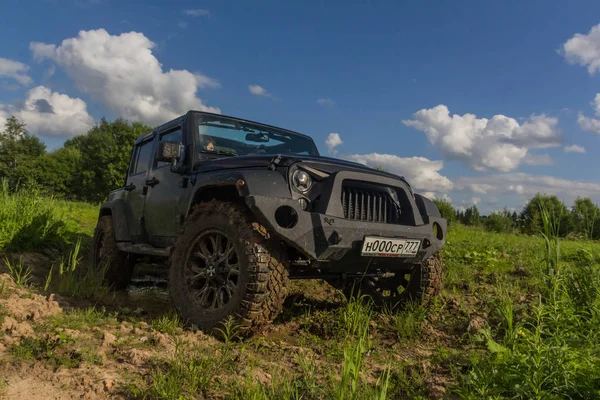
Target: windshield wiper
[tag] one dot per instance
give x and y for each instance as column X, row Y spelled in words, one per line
column 219, row 152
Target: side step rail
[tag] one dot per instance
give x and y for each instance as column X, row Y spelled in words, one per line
column 145, row 249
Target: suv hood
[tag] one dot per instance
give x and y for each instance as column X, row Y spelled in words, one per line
column 326, row 164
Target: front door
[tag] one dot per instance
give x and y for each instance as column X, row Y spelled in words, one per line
column 165, row 195
column 135, row 187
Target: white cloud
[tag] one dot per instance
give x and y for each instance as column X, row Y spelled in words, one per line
column 537, row 159
column 588, row 124
column 481, row 188
column 491, row 201
column 438, row 196
column 258, row 90
column 197, row 12
column 49, row 113
column 182, row 24
column 15, row 70
column 325, row 102
column 584, row 50
column 473, row 201
column 574, row 149
column 527, row 185
column 420, row 172
column 499, row 143
column 333, row 140
column 591, row 124
column 121, row 72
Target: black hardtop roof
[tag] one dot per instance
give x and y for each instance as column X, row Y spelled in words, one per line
column 166, row 125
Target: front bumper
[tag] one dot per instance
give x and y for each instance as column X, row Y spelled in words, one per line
column 325, row 238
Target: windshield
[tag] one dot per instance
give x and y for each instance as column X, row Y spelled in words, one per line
column 225, row 137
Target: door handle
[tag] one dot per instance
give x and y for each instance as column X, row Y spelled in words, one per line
column 152, row 182
column 129, row 187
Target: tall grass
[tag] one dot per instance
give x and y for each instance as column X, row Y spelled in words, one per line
column 32, row 222
column 550, row 352
column 71, row 278
column 18, row 271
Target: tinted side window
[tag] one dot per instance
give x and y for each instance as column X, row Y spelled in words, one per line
column 173, row 136
column 143, row 154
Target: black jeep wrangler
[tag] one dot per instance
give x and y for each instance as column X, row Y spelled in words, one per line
column 239, row 207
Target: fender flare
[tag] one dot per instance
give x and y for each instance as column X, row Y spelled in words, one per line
column 254, row 184
column 121, row 218
column 427, row 208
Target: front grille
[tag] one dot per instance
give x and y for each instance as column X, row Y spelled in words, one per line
column 367, row 204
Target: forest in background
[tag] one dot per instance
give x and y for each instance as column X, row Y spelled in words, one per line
column 88, row 166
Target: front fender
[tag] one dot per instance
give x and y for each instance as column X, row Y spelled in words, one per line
column 427, row 208
column 261, row 182
column 122, row 218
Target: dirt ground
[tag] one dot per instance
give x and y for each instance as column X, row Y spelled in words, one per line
column 53, row 347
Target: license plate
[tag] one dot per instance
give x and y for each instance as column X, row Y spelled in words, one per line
column 387, row 247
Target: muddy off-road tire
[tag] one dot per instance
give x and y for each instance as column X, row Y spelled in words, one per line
column 419, row 285
column 105, row 254
column 223, row 264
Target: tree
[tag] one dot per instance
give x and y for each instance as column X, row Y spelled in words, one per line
column 515, row 218
column 18, row 150
column 9, row 139
column 58, row 171
column 446, row 210
column 531, row 216
column 472, row 216
column 585, row 216
column 105, row 150
column 501, row 222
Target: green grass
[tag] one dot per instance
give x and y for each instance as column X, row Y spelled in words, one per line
column 73, row 278
column 84, row 318
column 18, row 272
column 168, row 323
column 549, row 351
column 31, row 222
column 519, row 318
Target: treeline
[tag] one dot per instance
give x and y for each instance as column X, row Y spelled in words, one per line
column 85, row 168
column 88, row 166
column 582, row 220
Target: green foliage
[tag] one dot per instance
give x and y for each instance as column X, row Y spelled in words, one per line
column 85, row 283
column 87, row 167
column 230, row 330
column 407, row 323
column 18, row 272
column 550, row 352
column 586, row 218
column 83, row 318
column 28, row 221
column 32, row 222
column 446, row 210
column 18, row 149
column 500, row 222
column 168, row 323
column 47, row 349
column 471, row 216
column 105, row 151
column 531, row 215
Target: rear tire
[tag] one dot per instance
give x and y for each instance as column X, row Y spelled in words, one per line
column 223, row 264
column 105, row 253
column 418, row 285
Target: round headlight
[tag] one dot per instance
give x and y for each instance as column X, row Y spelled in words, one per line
column 301, row 180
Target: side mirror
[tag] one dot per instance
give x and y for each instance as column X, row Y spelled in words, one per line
column 169, row 152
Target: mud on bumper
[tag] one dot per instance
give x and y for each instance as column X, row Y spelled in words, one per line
column 332, row 239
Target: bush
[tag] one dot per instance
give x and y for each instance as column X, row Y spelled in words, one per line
column 446, row 210
column 500, row 222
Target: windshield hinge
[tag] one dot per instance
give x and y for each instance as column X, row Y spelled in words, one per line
column 275, row 162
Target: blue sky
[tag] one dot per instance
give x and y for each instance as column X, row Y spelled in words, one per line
column 473, row 101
